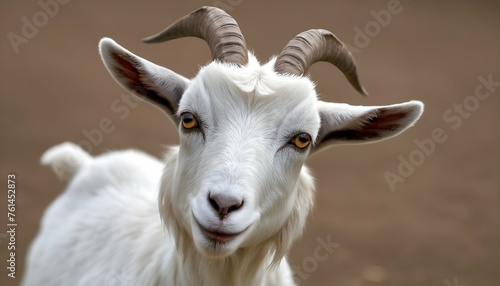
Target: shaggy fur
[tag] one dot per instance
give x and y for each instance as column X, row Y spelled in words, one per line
column 105, row 230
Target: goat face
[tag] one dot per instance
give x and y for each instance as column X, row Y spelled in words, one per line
column 245, row 131
column 244, row 136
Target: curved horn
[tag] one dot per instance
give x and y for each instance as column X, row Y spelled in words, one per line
column 314, row 46
column 214, row 26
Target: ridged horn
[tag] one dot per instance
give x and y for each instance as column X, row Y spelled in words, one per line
column 314, row 46
column 213, row 25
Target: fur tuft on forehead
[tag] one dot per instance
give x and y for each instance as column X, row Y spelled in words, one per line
column 257, row 79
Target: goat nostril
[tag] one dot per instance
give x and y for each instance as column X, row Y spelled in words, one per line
column 234, row 207
column 223, row 205
column 213, row 203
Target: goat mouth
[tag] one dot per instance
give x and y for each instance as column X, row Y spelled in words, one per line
column 216, row 235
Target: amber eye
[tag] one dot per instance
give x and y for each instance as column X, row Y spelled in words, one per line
column 302, row 140
column 188, row 120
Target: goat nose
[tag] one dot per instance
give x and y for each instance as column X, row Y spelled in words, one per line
column 223, row 204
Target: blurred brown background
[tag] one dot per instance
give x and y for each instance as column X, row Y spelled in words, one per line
column 441, row 226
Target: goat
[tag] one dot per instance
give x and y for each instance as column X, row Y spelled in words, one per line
column 226, row 205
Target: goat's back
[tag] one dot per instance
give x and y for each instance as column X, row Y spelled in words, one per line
column 100, row 223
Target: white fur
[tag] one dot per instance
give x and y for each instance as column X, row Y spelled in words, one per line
column 105, row 230
column 124, row 218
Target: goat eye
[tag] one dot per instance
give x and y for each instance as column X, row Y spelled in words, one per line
column 302, row 140
column 188, row 120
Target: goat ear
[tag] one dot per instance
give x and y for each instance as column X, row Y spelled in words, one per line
column 347, row 124
column 142, row 78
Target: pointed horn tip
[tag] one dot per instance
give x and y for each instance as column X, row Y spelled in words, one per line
column 159, row 38
column 356, row 84
column 363, row 91
column 147, row 40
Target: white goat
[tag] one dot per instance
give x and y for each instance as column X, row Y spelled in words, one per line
column 234, row 196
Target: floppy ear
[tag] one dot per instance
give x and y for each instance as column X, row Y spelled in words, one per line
column 347, row 124
column 160, row 86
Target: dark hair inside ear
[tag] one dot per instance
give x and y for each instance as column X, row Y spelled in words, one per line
column 160, row 86
column 363, row 124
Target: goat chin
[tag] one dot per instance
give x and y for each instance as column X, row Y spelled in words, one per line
column 105, row 230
